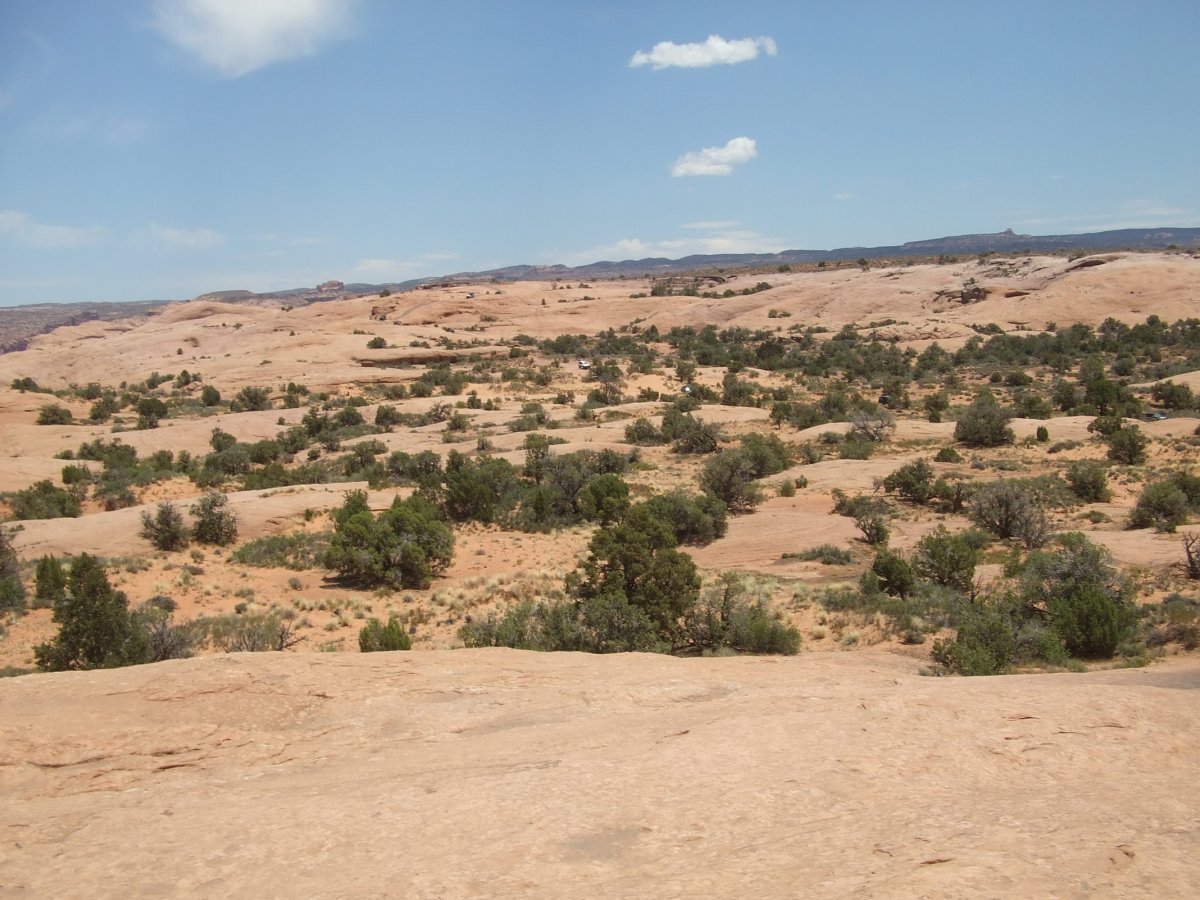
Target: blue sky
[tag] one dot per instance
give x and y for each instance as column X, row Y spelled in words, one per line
column 154, row 149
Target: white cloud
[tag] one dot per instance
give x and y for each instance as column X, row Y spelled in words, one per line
column 238, row 36
column 23, row 229
column 715, row 160
column 719, row 224
column 714, row 51
column 186, row 238
column 721, row 241
column 843, row 195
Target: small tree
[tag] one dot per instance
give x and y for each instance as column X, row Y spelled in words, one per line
column 50, row 581
column 913, row 482
column 95, row 630
column 215, row 522
column 251, row 399
column 729, row 476
column 1010, row 511
column 895, row 575
column 12, row 590
column 209, row 395
column 946, row 559
column 165, row 528
column 984, row 423
column 1128, row 446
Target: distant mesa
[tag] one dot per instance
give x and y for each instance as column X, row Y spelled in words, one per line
column 20, row 323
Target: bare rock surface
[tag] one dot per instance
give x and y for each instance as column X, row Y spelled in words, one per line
column 503, row 773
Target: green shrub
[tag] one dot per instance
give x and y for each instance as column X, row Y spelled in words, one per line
column 895, row 576
column 53, row 414
column 1128, row 446
column 12, row 590
column 1010, row 510
column 1088, row 481
column 43, row 500
column 299, row 551
column 165, row 529
column 947, row 559
column 375, row 636
column 947, row 455
column 405, row 546
column 826, row 554
column 912, row 482
column 215, row 522
column 984, row 423
column 1161, row 505
column 986, row 644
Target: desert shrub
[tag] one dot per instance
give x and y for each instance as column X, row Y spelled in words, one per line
column 12, row 590
column 376, row 343
column 984, row 423
column 299, row 551
column 480, row 490
column 1161, row 505
column 150, row 410
column 729, row 476
column 1088, row 603
column 251, row 399
column 405, row 546
column 643, row 433
column 1043, row 434
column 95, row 630
column 947, row 455
column 688, row 434
column 986, row 643
column 826, row 554
column 165, row 528
column 50, row 582
column 912, row 482
column 1173, row 396
column 853, row 448
column 726, row 616
column 872, row 424
column 375, row 636
column 768, row 455
column 1011, row 511
column 947, row 559
column 1088, row 481
column 215, row 522
column 252, row 632
column 1128, row 446
column 692, row 520
column 895, row 576
column 53, row 414
column 604, row 499
column 873, row 526
column 43, row 500
column 209, row 395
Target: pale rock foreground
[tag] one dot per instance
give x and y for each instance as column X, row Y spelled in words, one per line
column 503, row 773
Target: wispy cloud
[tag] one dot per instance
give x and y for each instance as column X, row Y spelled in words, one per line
column 116, row 130
column 714, row 51
column 843, row 195
column 24, row 229
column 238, row 36
column 186, row 238
column 716, row 160
column 709, row 226
column 1132, row 214
column 384, row 269
column 721, row 240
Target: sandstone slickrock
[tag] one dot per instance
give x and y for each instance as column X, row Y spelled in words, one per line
column 505, row 773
